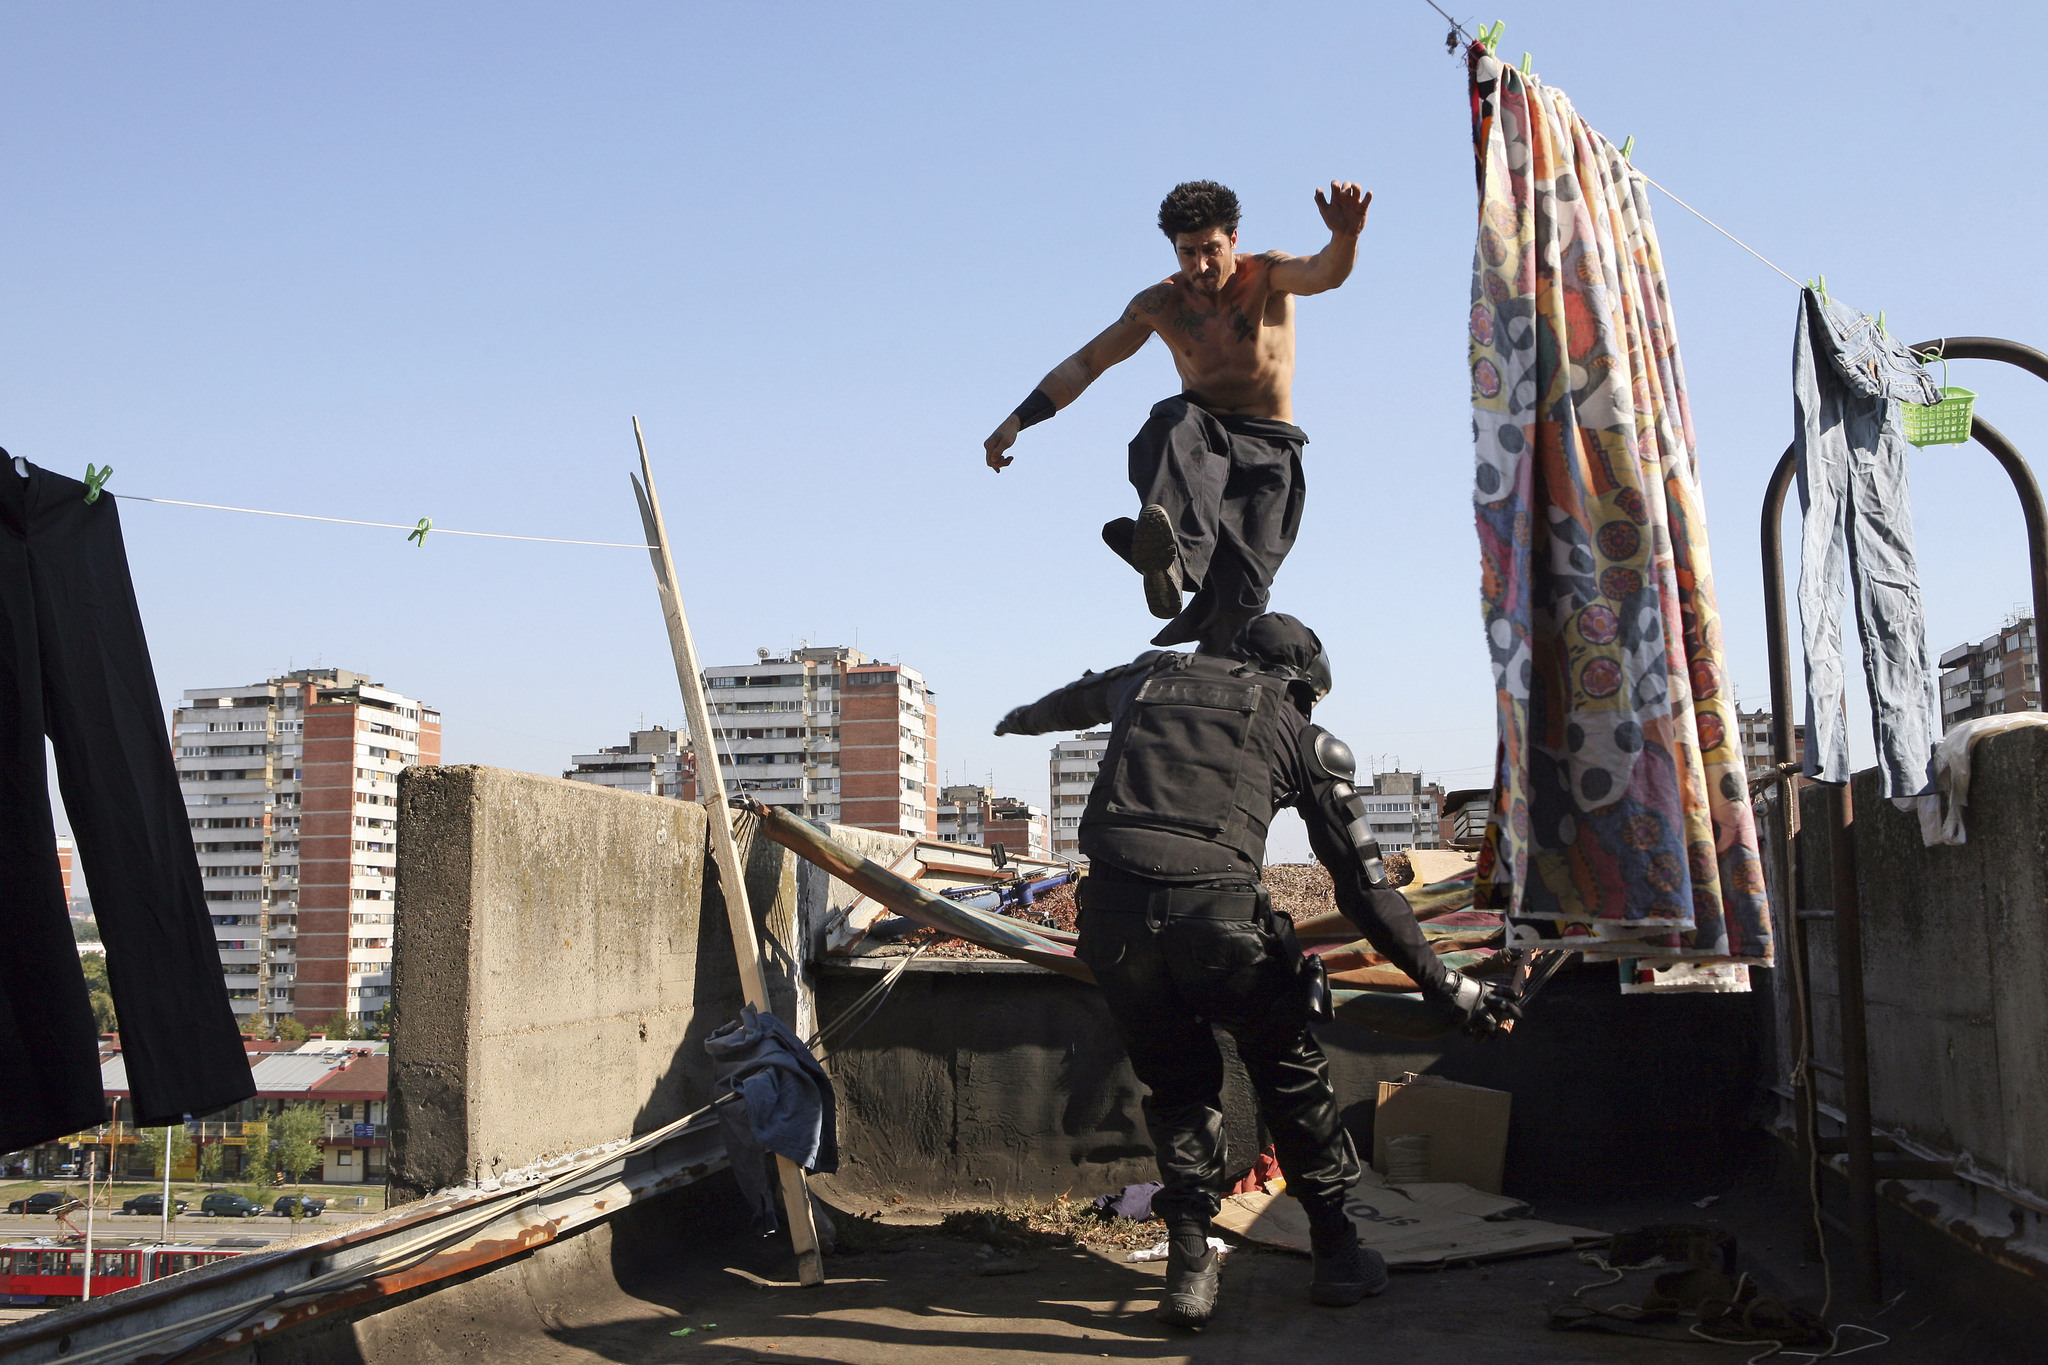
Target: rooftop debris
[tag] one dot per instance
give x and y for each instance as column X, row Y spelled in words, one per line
column 1032, row 1226
column 1303, row 890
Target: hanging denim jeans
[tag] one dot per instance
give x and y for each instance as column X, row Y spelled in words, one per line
column 1847, row 379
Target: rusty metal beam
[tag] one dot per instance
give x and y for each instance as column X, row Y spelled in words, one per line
column 234, row 1303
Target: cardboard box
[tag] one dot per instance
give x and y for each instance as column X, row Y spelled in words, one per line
column 1467, row 1127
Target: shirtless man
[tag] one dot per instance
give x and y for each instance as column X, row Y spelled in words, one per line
column 1218, row 466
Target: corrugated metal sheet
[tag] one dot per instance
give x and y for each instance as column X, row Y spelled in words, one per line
column 114, row 1074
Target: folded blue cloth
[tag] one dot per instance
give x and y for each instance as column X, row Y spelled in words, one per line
column 771, row 1096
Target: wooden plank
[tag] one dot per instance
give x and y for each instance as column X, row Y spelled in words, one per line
column 732, row 882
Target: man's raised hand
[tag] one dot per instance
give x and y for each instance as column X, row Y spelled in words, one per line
column 1001, row 440
column 1344, row 210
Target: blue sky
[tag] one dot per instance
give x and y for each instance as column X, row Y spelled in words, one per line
column 389, row 261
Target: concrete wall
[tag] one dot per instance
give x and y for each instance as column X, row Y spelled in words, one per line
column 1955, row 962
column 976, row 1083
column 981, row 1081
column 562, row 952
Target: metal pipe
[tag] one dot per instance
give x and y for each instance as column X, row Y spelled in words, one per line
column 1862, row 1220
column 1855, row 1041
column 2029, row 491
column 1785, row 814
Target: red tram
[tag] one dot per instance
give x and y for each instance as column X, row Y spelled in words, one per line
column 42, row 1271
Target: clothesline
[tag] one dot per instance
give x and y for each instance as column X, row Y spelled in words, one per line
column 1790, row 278
column 381, row 525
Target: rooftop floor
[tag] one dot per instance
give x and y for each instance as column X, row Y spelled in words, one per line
column 926, row 1298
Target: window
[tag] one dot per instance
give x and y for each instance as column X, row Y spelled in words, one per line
column 344, row 1158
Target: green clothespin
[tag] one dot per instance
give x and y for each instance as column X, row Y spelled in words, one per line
column 1628, row 148
column 418, row 534
column 96, row 479
column 1527, row 61
column 1880, row 322
column 1489, row 38
column 1819, row 285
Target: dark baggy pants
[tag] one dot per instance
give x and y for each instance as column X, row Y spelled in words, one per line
column 74, row 664
column 1233, row 489
column 1165, row 984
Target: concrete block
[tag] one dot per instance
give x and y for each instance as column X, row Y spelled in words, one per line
column 562, row 951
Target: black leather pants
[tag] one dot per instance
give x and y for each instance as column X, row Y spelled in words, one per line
column 1166, row 981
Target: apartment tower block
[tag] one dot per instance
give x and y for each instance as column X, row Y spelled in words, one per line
column 291, row 789
column 831, row 734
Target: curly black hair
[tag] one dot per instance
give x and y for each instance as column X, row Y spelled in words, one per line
column 1196, row 205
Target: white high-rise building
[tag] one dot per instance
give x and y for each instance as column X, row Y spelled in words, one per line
column 1074, row 765
column 1403, row 811
column 291, row 790
column 656, row 761
column 833, row 735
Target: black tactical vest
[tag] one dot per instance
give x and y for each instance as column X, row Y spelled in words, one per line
column 1185, row 788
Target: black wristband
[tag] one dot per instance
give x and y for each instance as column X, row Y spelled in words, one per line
column 1034, row 409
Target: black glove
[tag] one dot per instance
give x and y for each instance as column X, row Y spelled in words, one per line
column 1013, row 723
column 1488, row 1010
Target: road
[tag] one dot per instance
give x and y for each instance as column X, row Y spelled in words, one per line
column 194, row 1228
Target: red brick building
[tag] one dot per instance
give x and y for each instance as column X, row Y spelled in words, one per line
column 358, row 737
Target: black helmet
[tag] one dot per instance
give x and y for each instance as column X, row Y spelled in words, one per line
column 1281, row 645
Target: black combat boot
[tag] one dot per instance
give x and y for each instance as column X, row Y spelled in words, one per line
column 1155, row 553
column 1345, row 1271
column 1191, row 1275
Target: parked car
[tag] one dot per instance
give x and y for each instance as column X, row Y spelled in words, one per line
column 42, row 1201
column 312, row 1207
column 226, row 1204
column 152, row 1204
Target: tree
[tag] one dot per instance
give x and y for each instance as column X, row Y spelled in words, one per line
column 384, row 1022
column 256, row 1165
column 211, row 1156
column 99, row 990
column 150, row 1142
column 295, row 1139
column 289, row 1030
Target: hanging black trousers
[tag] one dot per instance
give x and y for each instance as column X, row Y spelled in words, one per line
column 1233, row 488
column 1166, row 982
column 74, row 666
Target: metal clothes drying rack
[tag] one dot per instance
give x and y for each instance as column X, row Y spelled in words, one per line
column 1871, row 1158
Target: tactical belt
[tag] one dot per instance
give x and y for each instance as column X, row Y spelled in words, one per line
column 1159, row 904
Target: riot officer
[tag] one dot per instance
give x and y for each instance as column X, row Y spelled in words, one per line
column 1178, row 931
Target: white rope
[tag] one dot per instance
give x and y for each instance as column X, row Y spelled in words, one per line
column 1723, row 231
column 1460, row 28
column 381, row 525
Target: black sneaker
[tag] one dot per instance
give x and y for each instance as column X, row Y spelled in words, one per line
column 1116, row 534
column 1156, row 554
column 1190, row 1288
column 1347, row 1274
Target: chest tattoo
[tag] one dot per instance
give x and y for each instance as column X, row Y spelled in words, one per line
column 1190, row 322
column 1241, row 325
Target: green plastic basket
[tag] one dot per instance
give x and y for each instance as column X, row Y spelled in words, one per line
column 1946, row 423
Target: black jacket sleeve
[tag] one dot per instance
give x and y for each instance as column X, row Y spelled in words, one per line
column 1382, row 915
column 1092, row 699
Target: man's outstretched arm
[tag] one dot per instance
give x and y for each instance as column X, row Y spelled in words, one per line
column 1090, row 700
column 1116, row 343
column 1344, row 214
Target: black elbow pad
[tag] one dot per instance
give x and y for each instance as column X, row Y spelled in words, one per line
column 1329, row 755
